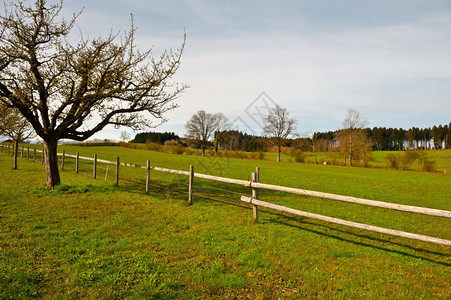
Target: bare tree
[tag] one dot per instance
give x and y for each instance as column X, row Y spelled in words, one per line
column 353, row 141
column 15, row 126
column 312, row 142
column 71, row 91
column 222, row 124
column 125, row 136
column 278, row 126
column 201, row 127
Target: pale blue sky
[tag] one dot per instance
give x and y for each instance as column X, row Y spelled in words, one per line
column 390, row 60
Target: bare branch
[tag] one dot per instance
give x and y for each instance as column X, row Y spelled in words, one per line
column 58, row 87
column 278, row 126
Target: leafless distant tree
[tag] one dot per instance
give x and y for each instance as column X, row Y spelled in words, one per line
column 14, row 126
column 125, row 136
column 72, row 91
column 278, row 127
column 222, row 125
column 353, row 142
column 201, row 127
column 311, row 142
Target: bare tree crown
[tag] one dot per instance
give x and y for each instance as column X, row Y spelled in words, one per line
column 72, row 91
column 353, row 120
column 59, row 87
column 201, row 126
column 278, row 126
column 278, row 123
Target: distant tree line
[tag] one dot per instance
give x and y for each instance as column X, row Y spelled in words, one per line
column 384, row 139
column 381, row 139
column 155, row 137
column 237, row 140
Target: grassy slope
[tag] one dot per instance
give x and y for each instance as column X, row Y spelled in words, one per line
column 90, row 239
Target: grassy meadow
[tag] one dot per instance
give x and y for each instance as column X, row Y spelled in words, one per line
column 90, row 239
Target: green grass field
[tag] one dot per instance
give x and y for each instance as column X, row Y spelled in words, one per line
column 90, row 239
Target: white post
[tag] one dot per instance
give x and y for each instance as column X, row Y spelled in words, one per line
column 190, row 185
column 106, row 172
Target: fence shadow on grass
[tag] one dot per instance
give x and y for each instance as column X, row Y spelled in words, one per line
column 280, row 218
column 302, row 220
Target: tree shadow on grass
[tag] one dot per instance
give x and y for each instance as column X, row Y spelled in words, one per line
column 284, row 220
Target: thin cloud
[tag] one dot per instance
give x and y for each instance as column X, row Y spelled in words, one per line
column 390, row 60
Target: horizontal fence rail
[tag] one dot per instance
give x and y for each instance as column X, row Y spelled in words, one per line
column 394, row 206
column 346, row 223
column 223, row 179
column 255, row 185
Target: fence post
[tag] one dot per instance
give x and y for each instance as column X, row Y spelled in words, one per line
column 42, row 156
column 76, row 162
column 190, row 185
column 28, row 152
column 34, row 154
column 117, row 171
column 106, row 172
column 148, row 176
column 255, row 178
column 94, row 171
column 62, row 160
column 21, row 152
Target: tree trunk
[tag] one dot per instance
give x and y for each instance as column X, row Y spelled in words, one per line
column 16, row 150
column 278, row 153
column 51, row 163
column 350, row 159
column 203, row 151
column 216, row 144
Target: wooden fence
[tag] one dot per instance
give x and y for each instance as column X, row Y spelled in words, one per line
column 255, row 185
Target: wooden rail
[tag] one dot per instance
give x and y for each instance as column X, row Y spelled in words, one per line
column 301, row 213
column 394, row 206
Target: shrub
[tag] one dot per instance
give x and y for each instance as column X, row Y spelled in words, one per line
column 407, row 159
column 210, row 153
column 239, row 154
column 129, row 145
column 153, row 146
column 177, row 149
column 299, row 156
column 189, row 151
column 404, row 161
column 429, row 165
column 391, row 161
column 333, row 158
column 171, row 142
column 425, row 164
